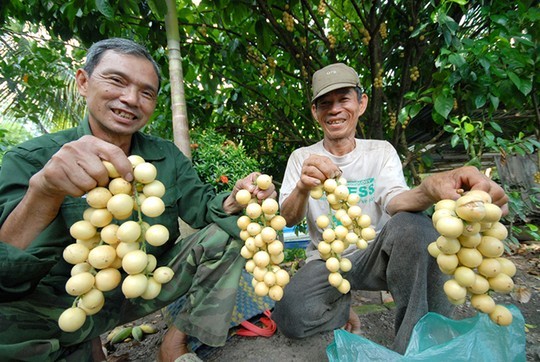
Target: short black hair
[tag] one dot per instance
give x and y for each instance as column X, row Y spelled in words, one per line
column 119, row 45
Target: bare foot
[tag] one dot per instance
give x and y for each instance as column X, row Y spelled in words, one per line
column 353, row 324
column 98, row 355
column 174, row 345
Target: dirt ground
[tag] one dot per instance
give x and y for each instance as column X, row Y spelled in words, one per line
column 376, row 318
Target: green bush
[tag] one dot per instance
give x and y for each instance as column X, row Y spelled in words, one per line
column 220, row 162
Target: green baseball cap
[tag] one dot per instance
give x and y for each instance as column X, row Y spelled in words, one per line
column 332, row 77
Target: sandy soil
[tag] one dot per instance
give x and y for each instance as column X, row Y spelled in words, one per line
column 377, row 325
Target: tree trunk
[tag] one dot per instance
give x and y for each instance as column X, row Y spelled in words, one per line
column 178, row 100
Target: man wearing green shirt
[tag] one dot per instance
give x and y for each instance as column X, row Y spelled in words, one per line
column 41, row 184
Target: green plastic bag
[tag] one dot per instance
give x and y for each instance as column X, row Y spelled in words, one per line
column 437, row 338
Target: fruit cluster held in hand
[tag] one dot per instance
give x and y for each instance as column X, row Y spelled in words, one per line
column 470, row 249
column 345, row 225
column 259, row 227
column 106, row 242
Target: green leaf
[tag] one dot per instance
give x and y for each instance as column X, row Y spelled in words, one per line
column 443, row 104
column 454, row 141
column 158, row 7
column 468, row 127
column 105, row 8
column 480, row 100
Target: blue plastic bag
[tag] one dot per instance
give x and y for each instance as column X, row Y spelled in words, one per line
column 437, row 338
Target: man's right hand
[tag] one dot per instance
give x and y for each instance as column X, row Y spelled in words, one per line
column 315, row 170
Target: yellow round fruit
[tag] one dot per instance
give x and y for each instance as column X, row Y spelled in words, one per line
column 453, row 290
column 470, row 241
column 354, row 211
column 155, row 188
column 275, row 293
column 464, row 276
column 449, row 226
column 316, row 193
column 490, row 247
column 361, row 244
column 278, row 222
column 156, row 235
column 341, row 192
column 329, row 235
column 254, row 228
column 101, row 218
column 277, row 259
column 344, row 287
column 470, row 229
column 243, row 197
column 163, row 274
column 261, row 289
column 264, row 182
column 270, row 206
column 108, row 234
column 337, row 246
column 483, row 302
column 330, row 185
column 145, row 173
column 120, row 204
column 489, row 267
column 129, row 231
column 353, row 199
column 107, row 279
column 153, row 288
column 153, row 206
column 479, row 195
column 352, row 238
column 91, row 311
column 111, row 170
column 120, row 186
column 261, row 259
column 332, row 264
column 80, row 268
column 75, row 253
column 258, row 273
column 501, row 283
column 82, row 229
column 440, row 213
column 324, row 247
column 480, row 285
column 469, row 257
column 335, row 279
column 448, row 245
column 368, row 233
column 71, row 319
column 345, row 265
column 282, row 277
column 135, row 262
column 447, row 204
column 122, row 248
column 135, row 160
column 470, row 209
column 134, row 285
column 507, row 266
column 152, row 263
column 98, row 197
column 275, row 247
column 102, row 256
column 364, row 221
column 493, row 213
column 447, row 262
column 253, row 211
column 80, row 283
column 323, row 221
column 497, row 230
column 92, row 299
column 501, row 315
column 242, row 222
column 433, row 249
column 246, row 252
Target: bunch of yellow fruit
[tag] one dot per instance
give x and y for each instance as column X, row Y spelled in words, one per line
column 106, row 242
column 470, row 249
column 259, row 227
column 346, row 225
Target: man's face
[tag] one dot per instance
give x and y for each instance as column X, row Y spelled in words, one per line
column 337, row 112
column 120, row 94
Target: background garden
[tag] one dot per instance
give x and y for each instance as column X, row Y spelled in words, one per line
column 450, row 82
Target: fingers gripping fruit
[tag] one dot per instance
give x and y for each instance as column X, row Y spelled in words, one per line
column 107, row 242
column 260, row 227
column 345, row 226
column 470, row 249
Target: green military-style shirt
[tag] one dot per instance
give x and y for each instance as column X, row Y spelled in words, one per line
column 186, row 197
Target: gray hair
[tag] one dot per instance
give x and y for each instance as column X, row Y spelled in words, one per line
column 119, row 45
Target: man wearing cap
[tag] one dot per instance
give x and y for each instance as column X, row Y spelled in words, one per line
column 397, row 259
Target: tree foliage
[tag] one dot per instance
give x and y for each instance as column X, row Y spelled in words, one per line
column 448, row 72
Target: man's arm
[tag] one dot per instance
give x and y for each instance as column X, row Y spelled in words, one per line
column 75, row 169
column 445, row 185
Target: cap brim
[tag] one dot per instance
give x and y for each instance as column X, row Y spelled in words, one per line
column 332, row 87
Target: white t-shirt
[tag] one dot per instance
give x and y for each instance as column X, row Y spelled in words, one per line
column 373, row 171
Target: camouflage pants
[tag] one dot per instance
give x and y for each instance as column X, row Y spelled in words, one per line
column 207, row 267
